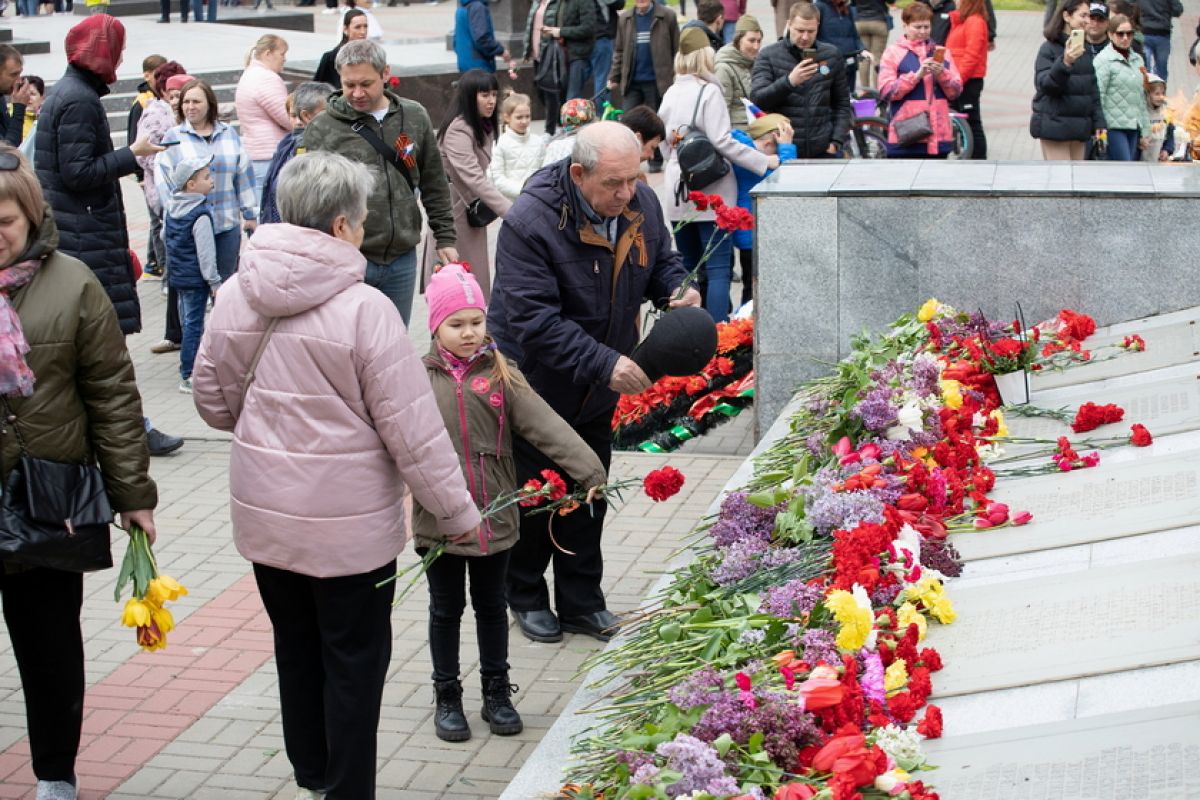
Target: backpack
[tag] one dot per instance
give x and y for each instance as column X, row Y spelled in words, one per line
column 700, row 164
column 550, row 75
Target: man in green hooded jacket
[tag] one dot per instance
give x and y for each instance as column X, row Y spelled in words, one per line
column 364, row 110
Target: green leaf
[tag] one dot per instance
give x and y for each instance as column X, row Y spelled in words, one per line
column 670, row 632
column 755, row 742
column 722, row 743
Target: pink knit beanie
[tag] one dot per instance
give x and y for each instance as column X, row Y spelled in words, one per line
column 451, row 289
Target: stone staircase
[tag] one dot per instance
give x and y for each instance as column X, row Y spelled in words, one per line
column 24, row 46
column 119, row 100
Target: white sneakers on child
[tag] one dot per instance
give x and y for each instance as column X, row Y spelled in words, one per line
column 55, row 790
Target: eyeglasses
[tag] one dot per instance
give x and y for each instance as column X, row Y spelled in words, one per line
column 1122, row 33
column 9, row 162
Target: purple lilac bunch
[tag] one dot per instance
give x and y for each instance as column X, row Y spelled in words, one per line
column 926, row 373
column 698, row 689
column 700, row 765
column 818, row 645
column 786, row 727
column 739, row 561
column 939, row 554
column 634, row 759
column 815, row 444
column 740, row 519
column 975, row 325
column 792, row 600
column 876, row 410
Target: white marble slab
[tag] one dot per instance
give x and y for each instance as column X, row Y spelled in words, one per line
column 1142, row 324
column 1149, row 754
column 1116, row 498
column 1079, row 624
column 1166, row 401
column 1166, row 345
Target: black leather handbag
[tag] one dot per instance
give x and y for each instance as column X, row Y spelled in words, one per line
column 480, row 214
column 54, row 514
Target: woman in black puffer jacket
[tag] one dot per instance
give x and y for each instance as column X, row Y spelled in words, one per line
column 1066, row 106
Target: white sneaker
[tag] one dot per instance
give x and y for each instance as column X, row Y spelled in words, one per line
column 308, row 794
column 55, row 790
column 185, row 386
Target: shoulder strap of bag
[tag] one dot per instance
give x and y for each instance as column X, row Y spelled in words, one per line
column 389, row 154
column 696, row 108
column 262, row 346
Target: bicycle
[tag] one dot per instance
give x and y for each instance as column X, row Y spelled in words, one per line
column 868, row 127
column 964, row 141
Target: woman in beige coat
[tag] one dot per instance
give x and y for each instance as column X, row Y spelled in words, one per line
column 465, row 139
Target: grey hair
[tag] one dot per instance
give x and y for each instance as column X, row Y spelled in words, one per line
column 310, row 97
column 345, row 185
column 600, row 137
column 362, row 51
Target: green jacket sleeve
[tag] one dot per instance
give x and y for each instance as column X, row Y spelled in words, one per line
column 582, row 18
column 536, row 422
column 114, row 408
column 435, row 188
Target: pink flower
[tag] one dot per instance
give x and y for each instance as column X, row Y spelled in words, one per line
column 1021, row 518
column 997, row 513
column 870, row 450
column 983, row 523
column 843, row 447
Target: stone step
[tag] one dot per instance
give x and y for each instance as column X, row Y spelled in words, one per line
column 27, row 47
column 283, row 19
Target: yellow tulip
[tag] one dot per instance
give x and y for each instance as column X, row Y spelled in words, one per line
column 136, row 613
column 163, row 619
column 952, row 394
column 931, row 308
column 1002, row 428
column 174, row 587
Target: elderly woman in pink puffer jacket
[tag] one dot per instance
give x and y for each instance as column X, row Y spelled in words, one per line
column 336, row 420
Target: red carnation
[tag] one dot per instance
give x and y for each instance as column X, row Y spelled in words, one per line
column 1140, row 436
column 931, row 725
column 558, row 487
column 662, row 484
column 931, row 658
column 532, row 487
column 1091, row 416
column 699, row 200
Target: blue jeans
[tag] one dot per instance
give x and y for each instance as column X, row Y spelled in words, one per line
column 198, row 10
column 602, row 54
column 397, row 281
column 1122, row 145
column 691, row 242
column 1158, row 53
column 27, row 8
column 260, row 169
column 192, row 304
column 229, row 244
column 577, row 80
column 727, row 31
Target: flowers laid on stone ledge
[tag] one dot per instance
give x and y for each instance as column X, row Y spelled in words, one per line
column 787, row 660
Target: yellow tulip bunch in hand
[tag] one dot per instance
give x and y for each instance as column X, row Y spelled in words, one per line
column 146, row 610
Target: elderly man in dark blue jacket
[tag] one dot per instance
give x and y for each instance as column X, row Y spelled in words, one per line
column 579, row 252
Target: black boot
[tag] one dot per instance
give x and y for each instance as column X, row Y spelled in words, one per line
column 498, row 711
column 449, row 721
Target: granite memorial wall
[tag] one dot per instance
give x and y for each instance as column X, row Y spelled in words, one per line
column 849, row 246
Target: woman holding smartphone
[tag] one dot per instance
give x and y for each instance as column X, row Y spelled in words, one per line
column 1066, row 105
column 920, row 79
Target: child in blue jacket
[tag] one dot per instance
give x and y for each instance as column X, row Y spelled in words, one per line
column 771, row 134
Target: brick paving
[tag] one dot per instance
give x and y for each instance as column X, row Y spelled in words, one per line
column 200, row 719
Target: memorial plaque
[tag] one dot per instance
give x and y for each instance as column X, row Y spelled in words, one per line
column 1166, row 345
column 1166, row 401
column 1149, row 754
column 1094, row 622
column 1093, row 505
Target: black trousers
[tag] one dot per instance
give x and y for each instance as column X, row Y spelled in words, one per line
column 644, row 93
column 447, row 602
column 746, row 262
column 968, row 103
column 173, row 330
column 41, row 610
column 576, row 578
column 333, row 642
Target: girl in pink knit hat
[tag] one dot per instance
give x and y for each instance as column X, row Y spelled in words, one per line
column 484, row 401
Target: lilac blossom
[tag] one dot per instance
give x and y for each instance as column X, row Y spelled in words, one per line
column 792, row 599
column 940, row 555
column 884, row 594
column 819, row 646
column 646, row 774
column 815, row 443
column 739, row 561
column 925, row 375
column 634, row 759
column 876, row 410
column 699, row 763
column 697, row 689
column 740, row 519
column 831, row 510
column 785, row 726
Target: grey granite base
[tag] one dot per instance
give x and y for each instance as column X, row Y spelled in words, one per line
column 850, row 246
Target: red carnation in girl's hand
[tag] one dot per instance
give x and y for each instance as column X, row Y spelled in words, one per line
column 532, row 487
column 558, row 487
column 930, row 725
column 699, row 200
column 661, row 484
column 1140, row 436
